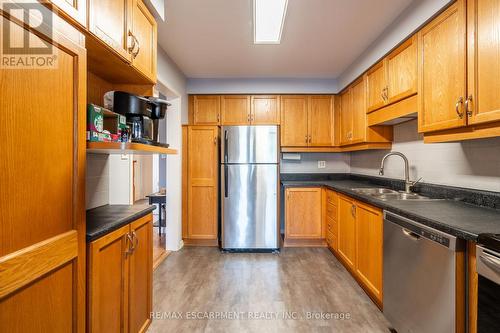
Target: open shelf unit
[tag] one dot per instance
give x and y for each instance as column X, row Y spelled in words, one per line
column 126, row 148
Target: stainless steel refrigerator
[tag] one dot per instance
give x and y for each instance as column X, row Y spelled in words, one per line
column 250, row 187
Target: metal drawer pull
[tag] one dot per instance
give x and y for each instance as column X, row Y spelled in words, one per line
column 467, row 110
column 130, row 242
column 410, row 234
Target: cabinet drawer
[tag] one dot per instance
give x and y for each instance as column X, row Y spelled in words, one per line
column 331, row 226
column 332, row 197
column 331, row 211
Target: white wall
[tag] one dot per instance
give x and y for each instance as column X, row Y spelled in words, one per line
column 472, row 164
column 335, row 163
column 172, row 83
column 120, row 180
column 261, row 86
column 409, row 20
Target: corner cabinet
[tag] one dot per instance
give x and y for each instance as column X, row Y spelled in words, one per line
column 304, row 225
column 201, row 226
column 307, row 121
column 120, row 277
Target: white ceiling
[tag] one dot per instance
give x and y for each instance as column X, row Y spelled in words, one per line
column 321, row 38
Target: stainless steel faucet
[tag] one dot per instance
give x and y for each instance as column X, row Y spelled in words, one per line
column 408, row 183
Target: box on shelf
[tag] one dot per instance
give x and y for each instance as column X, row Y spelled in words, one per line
column 105, row 125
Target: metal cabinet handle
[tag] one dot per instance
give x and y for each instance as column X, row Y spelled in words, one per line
column 460, row 101
column 136, row 239
column 138, row 47
column 132, row 47
column 307, row 138
column 353, row 211
column 130, row 242
column 386, row 93
column 467, row 106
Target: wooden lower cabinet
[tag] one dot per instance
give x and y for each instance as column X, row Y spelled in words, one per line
column 360, row 244
column 120, row 278
column 369, row 239
column 303, row 216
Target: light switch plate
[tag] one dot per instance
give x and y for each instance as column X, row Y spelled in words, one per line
column 321, row 164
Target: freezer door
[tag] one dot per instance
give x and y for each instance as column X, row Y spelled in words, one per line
column 249, row 144
column 250, row 206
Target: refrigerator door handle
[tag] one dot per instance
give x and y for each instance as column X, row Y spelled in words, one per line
column 226, row 180
column 225, row 146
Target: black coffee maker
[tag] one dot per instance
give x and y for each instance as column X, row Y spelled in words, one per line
column 142, row 113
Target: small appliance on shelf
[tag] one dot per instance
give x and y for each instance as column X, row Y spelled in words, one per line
column 142, row 114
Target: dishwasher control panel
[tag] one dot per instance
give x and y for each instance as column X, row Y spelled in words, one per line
column 435, row 237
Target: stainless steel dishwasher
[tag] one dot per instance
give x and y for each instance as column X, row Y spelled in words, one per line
column 419, row 276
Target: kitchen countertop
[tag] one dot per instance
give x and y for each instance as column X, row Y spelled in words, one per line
column 105, row 219
column 457, row 218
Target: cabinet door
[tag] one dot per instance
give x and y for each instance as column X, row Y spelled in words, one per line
column 483, row 45
column 347, row 232
column 235, row 110
column 141, row 274
column 442, row 80
column 320, row 121
column 109, row 21
column 358, row 107
column 202, row 182
column 345, row 117
column 265, row 110
column 303, row 213
column 294, row 121
column 42, row 239
column 144, row 30
column 108, row 282
column 206, row 110
column 369, row 238
column 376, row 85
column 402, row 71
column 76, row 9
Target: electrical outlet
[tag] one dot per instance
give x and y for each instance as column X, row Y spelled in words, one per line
column 321, row 164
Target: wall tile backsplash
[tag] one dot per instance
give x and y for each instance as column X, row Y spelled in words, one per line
column 471, row 164
column 97, row 181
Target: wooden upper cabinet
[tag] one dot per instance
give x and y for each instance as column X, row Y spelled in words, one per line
column 376, row 86
column 144, row 49
column 42, row 274
column 347, row 231
column 320, row 121
column 109, row 21
column 202, row 182
column 265, row 110
column 442, row 71
column 206, row 109
column 483, row 44
column 75, row 9
column 358, row 111
column 369, row 254
column 294, row 129
column 345, row 115
column 401, row 67
column 235, row 110
column 303, row 218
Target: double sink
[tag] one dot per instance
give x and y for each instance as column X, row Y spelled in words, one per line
column 386, row 194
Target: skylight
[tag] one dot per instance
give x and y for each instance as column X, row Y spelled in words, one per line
column 268, row 20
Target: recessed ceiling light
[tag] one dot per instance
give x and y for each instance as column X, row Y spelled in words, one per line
column 268, row 20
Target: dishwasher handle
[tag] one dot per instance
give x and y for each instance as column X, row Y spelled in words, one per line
column 410, row 234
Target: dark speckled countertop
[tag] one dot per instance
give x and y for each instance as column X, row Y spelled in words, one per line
column 454, row 217
column 105, row 219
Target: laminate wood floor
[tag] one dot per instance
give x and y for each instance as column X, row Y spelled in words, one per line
column 200, row 289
